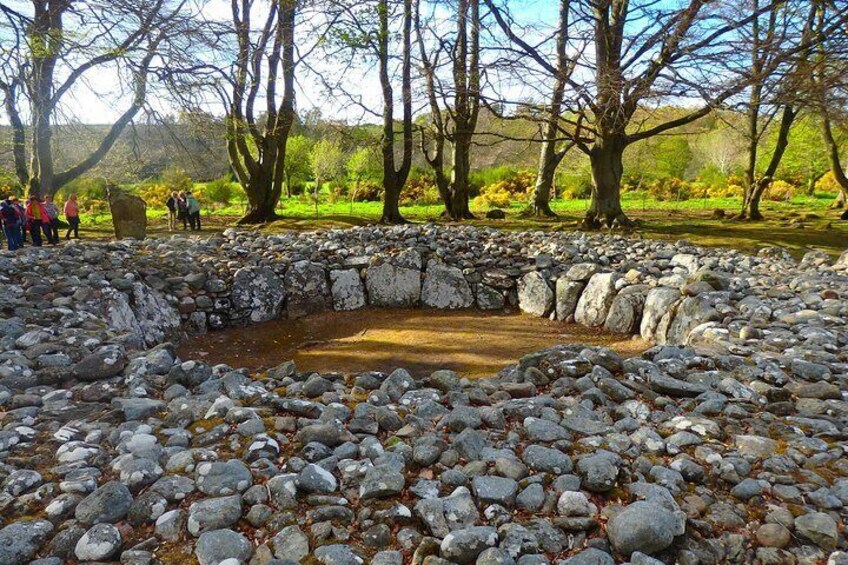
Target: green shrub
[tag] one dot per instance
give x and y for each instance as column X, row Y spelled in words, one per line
column 87, row 188
column 577, row 191
column 177, row 179
column 713, row 176
column 154, row 194
column 828, row 184
column 779, row 191
column 9, row 184
column 366, row 191
column 494, row 196
column 671, row 189
column 728, row 191
column 420, row 189
column 95, row 206
column 220, row 191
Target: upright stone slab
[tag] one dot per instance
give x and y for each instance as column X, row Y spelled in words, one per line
column 692, row 312
column 535, row 295
column 625, row 314
column 347, row 290
column 445, row 287
column 307, row 289
column 489, row 298
column 567, row 294
column 594, row 304
column 842, row 262
column 660, row 303
column 129, row 214
column 395, row 282
column 258, row 293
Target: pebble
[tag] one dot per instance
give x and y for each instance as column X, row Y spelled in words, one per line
column 732, row 422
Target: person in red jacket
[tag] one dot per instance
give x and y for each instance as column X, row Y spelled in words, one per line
column 36, row 216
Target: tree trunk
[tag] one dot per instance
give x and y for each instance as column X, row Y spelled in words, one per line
column 751, row 204
column 549, row 160
column 391, row 202
column 395, row 178
column 466, row 75
column 607, row 169
column 833, row 157
column 459, row 187
column 261, row 207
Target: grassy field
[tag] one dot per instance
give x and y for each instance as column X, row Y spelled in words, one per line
column 802, row 224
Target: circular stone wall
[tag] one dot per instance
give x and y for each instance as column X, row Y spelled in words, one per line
column 725, row 443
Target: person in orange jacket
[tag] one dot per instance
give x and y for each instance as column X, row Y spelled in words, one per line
column 72, row 215
column 36, row 217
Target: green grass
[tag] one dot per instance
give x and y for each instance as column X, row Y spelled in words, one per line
column 800, row 225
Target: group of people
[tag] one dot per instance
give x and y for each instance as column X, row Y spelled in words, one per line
column 183, row 207
column 37, row 217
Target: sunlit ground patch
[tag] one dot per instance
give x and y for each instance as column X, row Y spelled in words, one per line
column 472, row 343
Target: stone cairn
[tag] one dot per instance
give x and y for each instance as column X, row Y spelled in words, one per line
column 725, row 442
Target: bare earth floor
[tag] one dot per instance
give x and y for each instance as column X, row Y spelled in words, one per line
column 472, row 343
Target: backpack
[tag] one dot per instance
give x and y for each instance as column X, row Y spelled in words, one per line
column 10, row 215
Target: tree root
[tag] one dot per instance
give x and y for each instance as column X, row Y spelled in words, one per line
column 255, row 217
column 619, row 220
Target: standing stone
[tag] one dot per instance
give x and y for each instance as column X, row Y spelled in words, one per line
column 489, row 298
column 259, row 292
column 445, row 287
column 396, row 282
column 660, row 303
column 347, row 290
column 567, row 295
column 535, row 295
column 625, row 313
column 594, row 304
column 692, row 312
column 129, row 214
column 307, row 289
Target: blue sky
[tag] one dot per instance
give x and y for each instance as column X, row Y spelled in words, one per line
column 99, row 99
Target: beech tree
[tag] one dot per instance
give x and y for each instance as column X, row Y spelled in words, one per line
column 361, row 40
column 779, row 43
column 394, row 178
column 51, row 48
column 634, row 56
column 552, row 151
column 455, row 123
column 830, row 91
column 256, row 146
